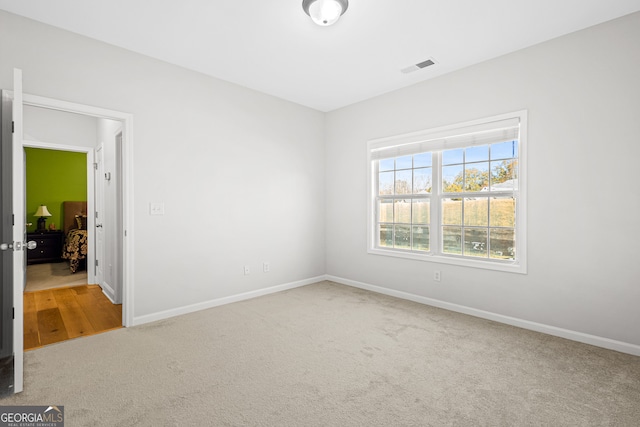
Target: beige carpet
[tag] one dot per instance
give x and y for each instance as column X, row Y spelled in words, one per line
column 53, row 275
column 331, row 355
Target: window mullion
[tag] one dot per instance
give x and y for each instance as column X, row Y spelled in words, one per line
column 436, row 201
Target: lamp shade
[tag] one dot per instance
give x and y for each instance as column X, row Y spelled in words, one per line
column 42, row 211
column 325, row 12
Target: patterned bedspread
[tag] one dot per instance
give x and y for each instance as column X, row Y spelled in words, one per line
column 75, row 248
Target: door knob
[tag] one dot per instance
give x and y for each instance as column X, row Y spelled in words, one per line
column 98, row 225
column 18, row 246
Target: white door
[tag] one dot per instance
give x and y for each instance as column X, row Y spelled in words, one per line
column 6, row 247
column 19, row 232
column 99, row 218
column 119, row 243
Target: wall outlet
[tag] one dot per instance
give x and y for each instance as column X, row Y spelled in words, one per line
column 156, row 208
column 266, row 267
column 436, row 275
column 247, row 270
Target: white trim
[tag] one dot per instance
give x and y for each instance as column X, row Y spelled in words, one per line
column 90, row 191
column 106, row 294
column 223, row 301
column 595, row 340
column 521, row 214
column 71, row 107
column 603, row 342
column 19, row 232
column 432, row 140
column 127, row 177
column 510, row 267
column 32, row 143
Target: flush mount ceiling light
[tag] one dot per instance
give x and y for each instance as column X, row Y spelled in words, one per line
column 325, row 12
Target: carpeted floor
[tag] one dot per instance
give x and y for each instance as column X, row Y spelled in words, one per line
column 331, row 355
column 53, row 275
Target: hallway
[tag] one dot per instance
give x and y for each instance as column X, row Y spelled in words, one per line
column 60, row 314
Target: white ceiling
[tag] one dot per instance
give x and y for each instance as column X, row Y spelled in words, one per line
column 272, row 46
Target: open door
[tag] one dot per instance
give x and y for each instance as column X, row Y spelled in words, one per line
column 12, row 245
column 99, row 216
column 6, row 248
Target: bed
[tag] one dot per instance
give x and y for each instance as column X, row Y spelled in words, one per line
column 75, row 228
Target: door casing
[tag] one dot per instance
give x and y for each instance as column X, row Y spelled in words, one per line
column 126, row 257
column 18, row 198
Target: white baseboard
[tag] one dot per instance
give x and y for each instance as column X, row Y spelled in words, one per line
column 222, row 301
column 607, row 343
column 108, row 291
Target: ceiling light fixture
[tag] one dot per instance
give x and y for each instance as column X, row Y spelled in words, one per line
column 325, row 12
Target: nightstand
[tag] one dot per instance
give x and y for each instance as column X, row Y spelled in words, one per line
column 49, row 247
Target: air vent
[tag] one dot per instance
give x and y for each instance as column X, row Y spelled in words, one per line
column 425, row 64
column 418, row 66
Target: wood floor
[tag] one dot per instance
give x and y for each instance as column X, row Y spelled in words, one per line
column 60, row 314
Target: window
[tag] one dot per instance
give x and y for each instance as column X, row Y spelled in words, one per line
column 454, row 194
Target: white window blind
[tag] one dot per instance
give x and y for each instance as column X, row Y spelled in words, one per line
column 446, row 139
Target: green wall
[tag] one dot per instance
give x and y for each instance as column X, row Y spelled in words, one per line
column 53, row 177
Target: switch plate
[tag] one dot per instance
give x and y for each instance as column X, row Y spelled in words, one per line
column 436, row 275
column 247, row 270
column 266, row 267
column 156, row 208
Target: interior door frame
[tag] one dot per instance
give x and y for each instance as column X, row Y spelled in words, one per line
column 127, row 256
column 19, row 230
column 91, row 243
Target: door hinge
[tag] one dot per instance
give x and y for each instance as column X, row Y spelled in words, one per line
column 95, row 166
column 13, row 127
column 96, row 263
column 13, row 313
column 96, row 214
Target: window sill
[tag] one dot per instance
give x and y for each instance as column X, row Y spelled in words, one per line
column 511, row 267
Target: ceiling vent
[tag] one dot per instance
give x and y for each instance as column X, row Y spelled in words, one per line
column 418, row 66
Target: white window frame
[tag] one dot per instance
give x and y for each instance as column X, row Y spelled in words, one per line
column 437, row 140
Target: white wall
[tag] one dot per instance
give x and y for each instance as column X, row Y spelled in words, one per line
column 59, row 127
column 582, row 92
column 240, row 173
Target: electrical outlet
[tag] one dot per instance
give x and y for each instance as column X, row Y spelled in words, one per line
column 247, row 270
column 436, row 275
column 156, row 208
column 266, row 267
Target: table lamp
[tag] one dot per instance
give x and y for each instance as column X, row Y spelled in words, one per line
column 42, row 212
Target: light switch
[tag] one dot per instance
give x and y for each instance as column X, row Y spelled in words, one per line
column 156, row 208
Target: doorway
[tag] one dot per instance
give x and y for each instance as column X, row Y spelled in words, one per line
column 56, row 181
column 60, row 303
column 119, row 125
column 12, row 130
